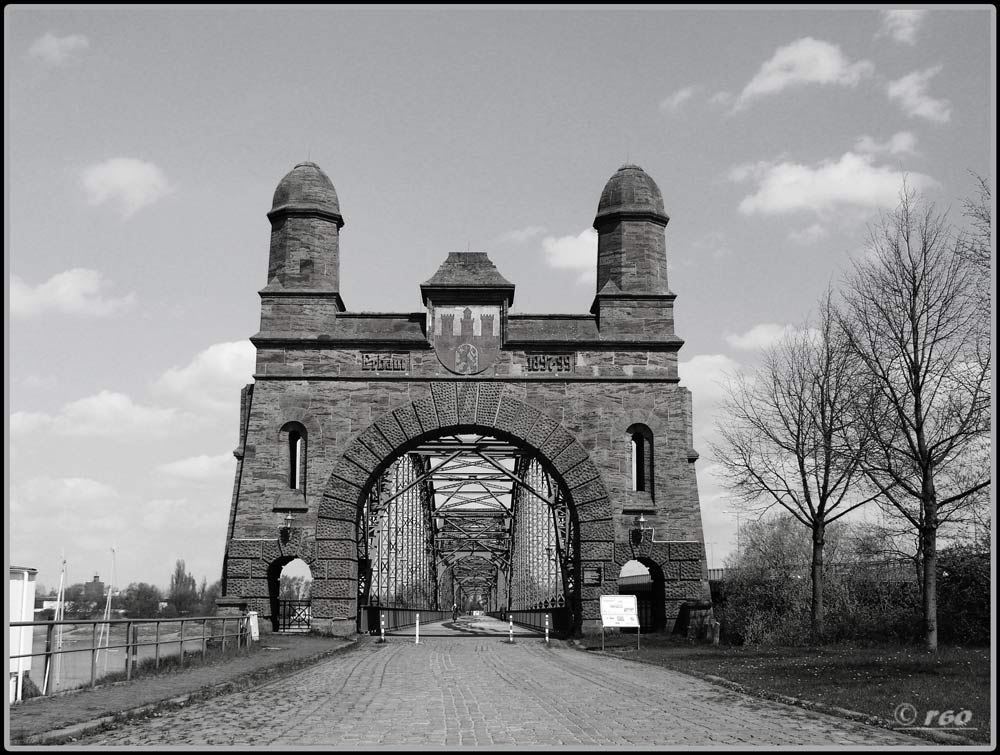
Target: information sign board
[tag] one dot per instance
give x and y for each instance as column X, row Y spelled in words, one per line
column 619, row 611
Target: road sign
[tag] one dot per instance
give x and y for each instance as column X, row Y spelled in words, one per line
column 619, row 611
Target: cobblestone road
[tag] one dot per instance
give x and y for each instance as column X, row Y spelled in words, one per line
column 483, row 691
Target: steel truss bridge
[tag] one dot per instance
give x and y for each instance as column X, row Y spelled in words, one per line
column 468, row 521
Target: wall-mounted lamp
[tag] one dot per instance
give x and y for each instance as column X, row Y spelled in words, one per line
column 286, row 529
column 635, row 534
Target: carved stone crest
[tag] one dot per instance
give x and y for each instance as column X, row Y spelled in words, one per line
column 467, row 337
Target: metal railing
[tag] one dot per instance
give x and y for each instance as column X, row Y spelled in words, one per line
column 559, row 619
column 238, row 626
column 396, row 618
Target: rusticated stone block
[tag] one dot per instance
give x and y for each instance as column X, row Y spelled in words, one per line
column 362, row 457
column 543, row 427
column 337, row 549
column 522, row 422
column 344, row 528
column 570, row 456
column 592, row 490
column 467, row 398
column 351, row 473
column 446, row 403
column 375, row 442
column 244, row 548
column 488, row 401
column 690, row 570
column 238, row 568
column 334, row 588
column 555, row 443
column 686, row 551
column 593, row 510
column 426, row 414
column 406, row 416
column 690, row 590
column 389, row 427
column 258, row 569
column 600, row 530
column 270, row 551
column 580, row 474
column 596, row 550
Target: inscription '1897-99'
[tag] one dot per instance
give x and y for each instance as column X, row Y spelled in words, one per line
column 549, row 362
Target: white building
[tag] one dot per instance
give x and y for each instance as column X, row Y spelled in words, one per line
column 22, row 608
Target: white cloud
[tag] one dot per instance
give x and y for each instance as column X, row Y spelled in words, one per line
column 911, row 93
column 705, row 375
column 132, row 184
column 200, row 468
column 213, row 379
column 672, row 103
column 721, row 98
column 76, row 291
column 39, row 381
column 714, row 243
column 808, row 235
column 66, row 490
column 108, row 414
column 573, row 253
column 804, row 61
column 852, row 180
column 760, row 336
column 520, row 235
column 901, row 25
column 54, row 50
column 900, row 143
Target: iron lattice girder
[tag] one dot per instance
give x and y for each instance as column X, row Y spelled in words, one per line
column 472, row 488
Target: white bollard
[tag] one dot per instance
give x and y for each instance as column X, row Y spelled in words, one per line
column 417, row 642
column 546, row 629
column 383, row 626
column 510, row 618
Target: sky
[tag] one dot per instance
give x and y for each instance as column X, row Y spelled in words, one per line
column 143, row 145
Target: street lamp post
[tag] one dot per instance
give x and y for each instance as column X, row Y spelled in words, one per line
column 739, row 532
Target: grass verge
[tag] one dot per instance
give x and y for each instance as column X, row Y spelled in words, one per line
column 873, row 681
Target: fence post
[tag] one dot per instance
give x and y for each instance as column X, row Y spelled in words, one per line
column 223, row 635
column 93, row 657
column 157, row 643
column 128, row 651
column 418, row 630
column 510, row 617
column 48, row 657
column 204, row 639
column 546, row 629
column 383, row 625
column 182, row 642
column 132, row 651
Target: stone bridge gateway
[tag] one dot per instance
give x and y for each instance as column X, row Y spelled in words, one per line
column 465, row 451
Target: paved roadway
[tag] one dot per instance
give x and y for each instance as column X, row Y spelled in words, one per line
column 483, row 691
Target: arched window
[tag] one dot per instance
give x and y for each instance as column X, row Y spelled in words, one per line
column 296, row 439
column 642, row 457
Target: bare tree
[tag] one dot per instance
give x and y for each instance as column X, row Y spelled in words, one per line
column 912, row 317
column 976, row 246
column 786, row 438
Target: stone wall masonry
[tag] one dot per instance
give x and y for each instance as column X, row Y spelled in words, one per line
column 359, row 424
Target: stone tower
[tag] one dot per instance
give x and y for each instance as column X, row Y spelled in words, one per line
column 304, row 263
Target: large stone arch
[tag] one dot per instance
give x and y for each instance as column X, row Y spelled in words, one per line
column 451, row 407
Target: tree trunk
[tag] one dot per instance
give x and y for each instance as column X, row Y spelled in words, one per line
column 929, row 541
column 818, row 626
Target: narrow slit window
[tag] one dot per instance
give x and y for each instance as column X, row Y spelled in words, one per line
column 296, row 447
column 638, row 462
column 642, row 457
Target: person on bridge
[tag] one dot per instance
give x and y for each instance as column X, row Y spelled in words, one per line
column 454, row 611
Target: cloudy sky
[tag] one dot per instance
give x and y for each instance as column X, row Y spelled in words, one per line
column 143, row 146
